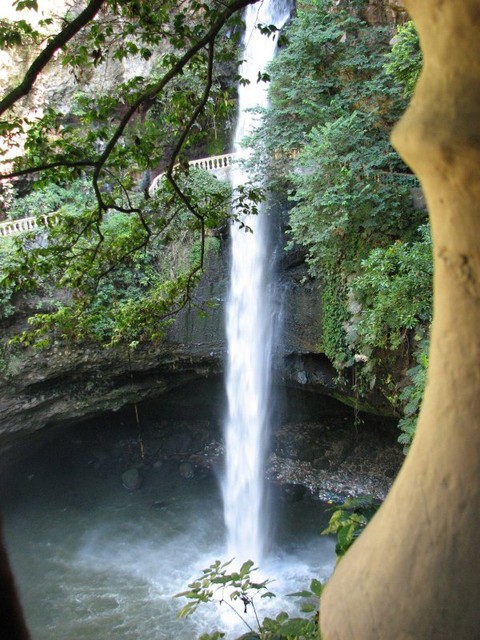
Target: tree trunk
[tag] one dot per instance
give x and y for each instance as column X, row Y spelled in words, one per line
column 414, row 573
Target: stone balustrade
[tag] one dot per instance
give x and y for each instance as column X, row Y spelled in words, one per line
column 14, row 227
column 211, row 164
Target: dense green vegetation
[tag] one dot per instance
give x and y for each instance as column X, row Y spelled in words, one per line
column 125, row 286
column 337, row 89
column 125, row 262
column 120, row 263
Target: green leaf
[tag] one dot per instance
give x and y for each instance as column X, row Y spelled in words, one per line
column 25, row 4
column 301, row 594
column 246, row 568
column 316, row 587
column 187, row 610
column 308, row 607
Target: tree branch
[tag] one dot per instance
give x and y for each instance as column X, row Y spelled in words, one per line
column 44, row 57
column 45, row 167
column 199, row 108
column 177, row 68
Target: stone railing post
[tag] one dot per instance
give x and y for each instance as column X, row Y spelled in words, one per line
column 414, row 573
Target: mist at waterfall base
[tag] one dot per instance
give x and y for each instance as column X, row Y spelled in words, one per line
column 94, row 561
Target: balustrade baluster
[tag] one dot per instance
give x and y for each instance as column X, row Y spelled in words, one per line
column 27, row 224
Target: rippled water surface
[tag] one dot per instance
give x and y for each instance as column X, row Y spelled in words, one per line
column 94, row 561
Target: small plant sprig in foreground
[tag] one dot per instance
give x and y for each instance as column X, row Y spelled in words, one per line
column 216, row 585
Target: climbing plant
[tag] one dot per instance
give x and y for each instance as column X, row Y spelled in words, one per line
column 394, row 290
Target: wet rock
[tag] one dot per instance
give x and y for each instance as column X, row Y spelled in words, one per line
column 294, row 492
column 131, row 479
column 186, row 470
column 346, row 462
column 179, row 441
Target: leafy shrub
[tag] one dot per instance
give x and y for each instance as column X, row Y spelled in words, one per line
column 348, row 520
column 334, row 317
column 8, row 264
column 395, row 292
column 70, row 198
column 405, row 60
column 218, row 586
column 412, row 394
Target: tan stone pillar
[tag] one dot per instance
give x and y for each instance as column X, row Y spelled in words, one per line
column 415, row 572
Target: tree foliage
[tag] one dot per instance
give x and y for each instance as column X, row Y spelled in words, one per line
column 394, row 290
column 125, row 289
column 404, row 62
column 348, row 520
column 337, row 88
column 115, row 141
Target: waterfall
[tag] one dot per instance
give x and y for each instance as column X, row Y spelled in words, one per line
column 249, row 320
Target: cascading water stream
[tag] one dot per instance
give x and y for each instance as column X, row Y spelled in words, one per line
column 249, row 320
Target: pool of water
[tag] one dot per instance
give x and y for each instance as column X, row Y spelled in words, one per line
column 93, row 561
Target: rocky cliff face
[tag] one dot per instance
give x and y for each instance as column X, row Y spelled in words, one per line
column 57, row 84
column 70, row 382
column 385, row 12
column 66, row 383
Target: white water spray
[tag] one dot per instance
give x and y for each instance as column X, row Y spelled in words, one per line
column 249, row 321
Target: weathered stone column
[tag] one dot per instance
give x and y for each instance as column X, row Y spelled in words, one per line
column 415, row 572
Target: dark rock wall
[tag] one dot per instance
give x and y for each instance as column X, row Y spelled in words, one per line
column 67, row 383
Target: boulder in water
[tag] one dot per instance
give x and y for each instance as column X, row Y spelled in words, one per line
column 131, row 479
column 186, row 470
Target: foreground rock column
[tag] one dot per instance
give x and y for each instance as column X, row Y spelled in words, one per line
column 415, row 572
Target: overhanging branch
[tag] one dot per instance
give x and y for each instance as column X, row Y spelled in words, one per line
column 177, row 68
column 41, row 61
